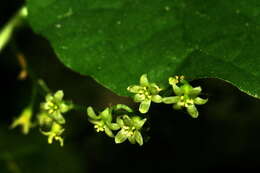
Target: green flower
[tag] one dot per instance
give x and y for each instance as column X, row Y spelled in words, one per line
column 44, row 119
column 130, row 129
column 102, row 122
column 145, row 93
column 24, row 120
column 55, row 133
column 55, row 106
column 186, row 96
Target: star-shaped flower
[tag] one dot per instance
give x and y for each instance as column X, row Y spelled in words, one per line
column 130, row 129
column 145, row 93
column 55, row 106
column 186, row 96
column 102, row 122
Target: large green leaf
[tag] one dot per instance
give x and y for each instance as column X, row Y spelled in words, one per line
column 115, row 41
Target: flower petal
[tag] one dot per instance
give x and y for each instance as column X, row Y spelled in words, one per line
column 135, row 88
column 131, row 139
column 139, row 97
column 120, row 137
column 144, row 80
column 91, row 113
column 144, row 106
column 156, row 98
column 106, row 115
column 171, row 100
column 192, row 110
column 138, row 137
column 177, row 90
column 57, row 116
column 96, row 122
column 194, row 92
column 119, row 121
column 154, row 89
column 49, row 98
column 113, row 126
column 200, row 101
column 59, row 95
column 108, row 132
column 127, row 120
column 138, row 122
column 64, row 107
column 176, row 106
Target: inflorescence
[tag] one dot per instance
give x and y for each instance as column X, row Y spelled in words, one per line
column 119, row 121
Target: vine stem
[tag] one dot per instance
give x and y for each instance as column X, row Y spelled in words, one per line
column 7, row 31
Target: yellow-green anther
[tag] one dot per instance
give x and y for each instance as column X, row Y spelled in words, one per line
column 24, row 120
column 145, row 93
column 55, row 133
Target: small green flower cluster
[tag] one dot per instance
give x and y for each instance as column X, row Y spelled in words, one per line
column 50, row 117
column 186, row 96
column 127, row 127
column 119, row 121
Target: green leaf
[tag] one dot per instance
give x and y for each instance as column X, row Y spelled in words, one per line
column 116, row 41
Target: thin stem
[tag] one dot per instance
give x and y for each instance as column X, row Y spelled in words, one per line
column 44, row 86
column 7, row 31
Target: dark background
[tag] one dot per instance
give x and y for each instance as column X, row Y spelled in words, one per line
column 225, row 137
